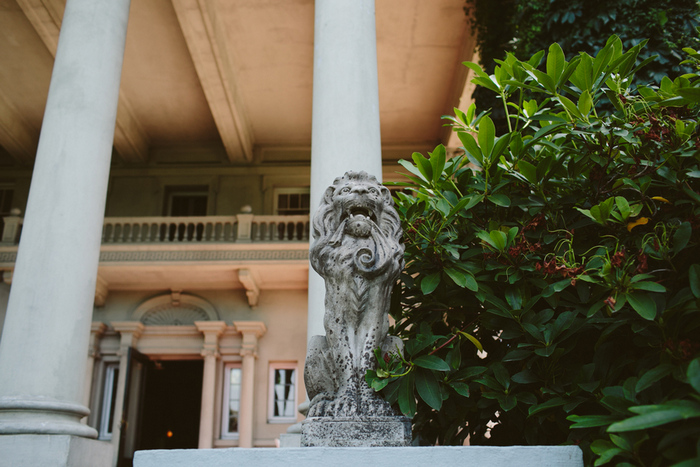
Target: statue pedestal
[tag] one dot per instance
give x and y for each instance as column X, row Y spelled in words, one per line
column 356, row 432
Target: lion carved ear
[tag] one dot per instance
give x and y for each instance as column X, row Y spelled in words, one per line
column 386, row 194
column 328, row 195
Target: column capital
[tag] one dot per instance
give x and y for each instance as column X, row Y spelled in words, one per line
column 130, row 332
column 211, row 327
column 251, row 328
column 209, row 352
column 97, row 329
column 212, row 330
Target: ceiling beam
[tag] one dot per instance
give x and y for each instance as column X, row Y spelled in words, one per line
column 16, row 136
column 205, row 37
column 130, row 140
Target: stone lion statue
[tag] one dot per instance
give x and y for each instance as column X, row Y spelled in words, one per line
column 357, row 251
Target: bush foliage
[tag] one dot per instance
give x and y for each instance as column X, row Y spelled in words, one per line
column 553, row 280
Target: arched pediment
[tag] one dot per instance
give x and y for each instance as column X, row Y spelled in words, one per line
column 174, row 309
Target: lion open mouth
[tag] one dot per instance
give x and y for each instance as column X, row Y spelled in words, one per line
column 360, row 212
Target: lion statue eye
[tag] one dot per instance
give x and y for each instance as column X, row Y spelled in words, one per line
column 345, row 190
column 374, row 191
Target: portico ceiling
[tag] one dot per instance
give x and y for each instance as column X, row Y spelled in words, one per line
column 234, row 75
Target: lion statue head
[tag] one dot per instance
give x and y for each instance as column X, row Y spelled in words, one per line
column 357, row 210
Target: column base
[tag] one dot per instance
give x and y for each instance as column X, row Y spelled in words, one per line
column 22, row 415
column 54, row 451
column 356, row 432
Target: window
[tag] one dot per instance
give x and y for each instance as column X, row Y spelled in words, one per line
column 282, row 407
column 109, row 394
column 186, row 200
column 292, row 201
column 232, row 401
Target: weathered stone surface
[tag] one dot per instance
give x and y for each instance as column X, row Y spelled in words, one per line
column 469, row 456
column 356, row 432
column 358, row 253
column 54, row 451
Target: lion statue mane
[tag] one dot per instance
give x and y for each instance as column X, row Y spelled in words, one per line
column 357, row 250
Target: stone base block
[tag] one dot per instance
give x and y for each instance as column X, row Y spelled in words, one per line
column 54, row 451
column 356, row 432
column 290, row 440
column 468, row 456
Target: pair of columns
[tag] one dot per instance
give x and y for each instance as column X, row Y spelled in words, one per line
column 47, row 327
column 250, row 331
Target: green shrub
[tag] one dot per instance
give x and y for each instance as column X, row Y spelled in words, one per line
column 552, row 281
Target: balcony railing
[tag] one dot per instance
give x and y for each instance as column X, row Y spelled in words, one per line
column 241, row 228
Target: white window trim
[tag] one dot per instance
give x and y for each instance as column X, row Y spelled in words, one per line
column 225, row 434
column 271, row 418
column 108, row 394
column 302, row 190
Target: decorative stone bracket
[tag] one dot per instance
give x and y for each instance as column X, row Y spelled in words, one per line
column 252, row 291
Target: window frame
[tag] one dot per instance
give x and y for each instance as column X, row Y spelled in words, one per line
column 274, row 366
column 300, row 190
column 108, row 397
column 172, row 191
column 225, row 433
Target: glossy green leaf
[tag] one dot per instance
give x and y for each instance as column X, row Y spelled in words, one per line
column 470, row 145
column 528, row 171
column 431, row 362
column 555, row 62
column 591, row 421
column 430, row 283
column 499, row 200
column 407, row 400
column 648, row 286
column 652, row 376
column 428, row 388
column 642, row 304
column 487, row 136
column 461, row 388
column 662, row 415
column 458, row 277
column 499, row 239
column 437, row 161
column 423, row 165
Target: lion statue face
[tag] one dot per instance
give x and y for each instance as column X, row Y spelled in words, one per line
column 357, row 207
column 361, row 202
column 357, row 200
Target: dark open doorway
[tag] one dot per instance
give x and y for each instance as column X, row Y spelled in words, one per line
column 171, row 405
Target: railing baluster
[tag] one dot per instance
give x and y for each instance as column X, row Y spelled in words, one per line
column 205, row 229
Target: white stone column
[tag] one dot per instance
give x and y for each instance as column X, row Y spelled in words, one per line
column 47, row 329
column 251, row 331
column 345, row 123
column 97, row 329
column 129, row 331
column 212, row 330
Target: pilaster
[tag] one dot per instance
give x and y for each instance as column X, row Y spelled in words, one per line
column 251, row 331
column 212, row 330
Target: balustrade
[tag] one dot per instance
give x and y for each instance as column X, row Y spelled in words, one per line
column 243, row 228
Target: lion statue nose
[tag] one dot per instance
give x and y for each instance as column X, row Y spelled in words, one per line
column 359, row 189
